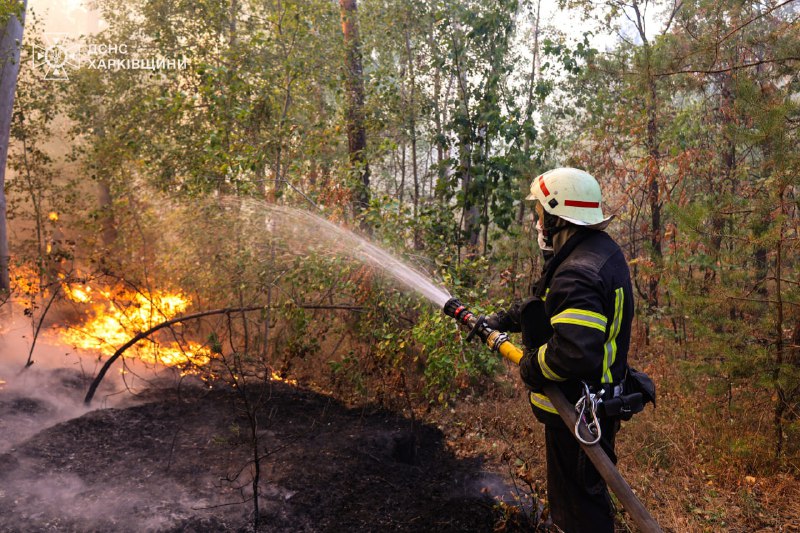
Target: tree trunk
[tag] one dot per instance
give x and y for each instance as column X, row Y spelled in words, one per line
column 401, row 191
column 526, row 145
column 356, row 132
column 224, row 176
column 777, row 372
column 412, row 124
column 653, row 166
column 9, row 56
column 470, row 217
column 727, row 167
column 437, row 121
column 653, row 195
column 279, row 167
column 105, row 198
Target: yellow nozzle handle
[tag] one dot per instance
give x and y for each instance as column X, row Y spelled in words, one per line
column 510, row 352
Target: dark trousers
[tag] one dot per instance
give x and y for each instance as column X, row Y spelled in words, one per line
column 579, row 499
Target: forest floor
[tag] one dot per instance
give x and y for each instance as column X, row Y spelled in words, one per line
column 177, row 460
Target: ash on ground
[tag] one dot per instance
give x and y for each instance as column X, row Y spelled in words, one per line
column 181, row 460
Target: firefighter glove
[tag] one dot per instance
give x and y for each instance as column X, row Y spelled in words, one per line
column 530, row 372
column 493, row 321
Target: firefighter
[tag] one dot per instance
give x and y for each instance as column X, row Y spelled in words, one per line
column 576, row 330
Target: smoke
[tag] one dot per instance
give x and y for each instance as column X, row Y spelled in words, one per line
column 65, row 16
column 65, row 466
column 35, row 498
column 51, row 390
column 493, row 485
column 47, row 392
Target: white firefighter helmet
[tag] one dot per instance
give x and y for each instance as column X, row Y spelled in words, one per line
column 571, row 194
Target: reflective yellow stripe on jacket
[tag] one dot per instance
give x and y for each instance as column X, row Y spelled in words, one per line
column 546, row 370
column 542, row 402
column 580, row 317
column 610, row 351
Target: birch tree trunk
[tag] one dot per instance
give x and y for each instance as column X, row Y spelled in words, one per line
column 9, row 56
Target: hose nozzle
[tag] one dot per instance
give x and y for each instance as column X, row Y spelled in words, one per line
column 496, row 340
column 455, row 309
column 477, row 324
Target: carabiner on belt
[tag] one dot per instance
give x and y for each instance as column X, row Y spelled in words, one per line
column 586, row 407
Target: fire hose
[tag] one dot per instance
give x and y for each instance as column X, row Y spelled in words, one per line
column 499, row 342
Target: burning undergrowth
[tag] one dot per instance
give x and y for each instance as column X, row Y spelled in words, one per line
column 55, row 334
column 112, row 315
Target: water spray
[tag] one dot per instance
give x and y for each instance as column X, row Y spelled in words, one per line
column 498, row 341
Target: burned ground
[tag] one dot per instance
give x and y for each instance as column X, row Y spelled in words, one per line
column 178, row 461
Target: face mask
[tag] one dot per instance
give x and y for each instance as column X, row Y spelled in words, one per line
column 542, row 237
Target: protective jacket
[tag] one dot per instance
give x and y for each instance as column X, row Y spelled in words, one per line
column 577, row 325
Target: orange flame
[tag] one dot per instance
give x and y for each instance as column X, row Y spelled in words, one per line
column 78, row 293
column 25, row 280
column 119, row 314
column 277, row 377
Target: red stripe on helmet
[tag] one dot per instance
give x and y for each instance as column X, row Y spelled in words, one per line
column 542, row 186
column 579, row 203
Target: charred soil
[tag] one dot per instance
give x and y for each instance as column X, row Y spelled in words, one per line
column 181, row 460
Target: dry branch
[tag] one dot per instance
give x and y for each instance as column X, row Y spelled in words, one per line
column 144, row 334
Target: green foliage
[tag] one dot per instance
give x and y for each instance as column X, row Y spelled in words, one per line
column 487, row 129
column 349, row 372
column 570, row 60
column 448, row 367
column 9, row 8
column 238, row 112
column 305, row 335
